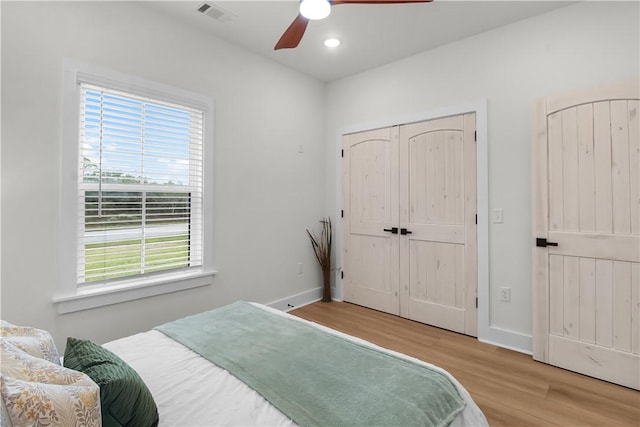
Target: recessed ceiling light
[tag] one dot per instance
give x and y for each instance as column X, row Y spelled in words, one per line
column 332, row 42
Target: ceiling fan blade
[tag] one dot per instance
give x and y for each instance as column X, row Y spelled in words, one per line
column 337, row 2
column 292, row 35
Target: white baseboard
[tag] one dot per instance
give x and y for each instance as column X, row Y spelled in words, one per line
column 508, row 339
column 297, row 300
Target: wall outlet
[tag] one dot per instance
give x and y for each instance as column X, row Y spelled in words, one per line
column 505, row 294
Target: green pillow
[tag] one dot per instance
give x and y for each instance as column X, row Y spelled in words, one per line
column 125, row 399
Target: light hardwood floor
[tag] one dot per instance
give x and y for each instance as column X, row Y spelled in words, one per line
column 510, row 387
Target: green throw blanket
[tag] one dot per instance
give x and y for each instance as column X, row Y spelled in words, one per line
column 316, row 378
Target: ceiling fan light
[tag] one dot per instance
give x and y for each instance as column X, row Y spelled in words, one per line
column 315, row 9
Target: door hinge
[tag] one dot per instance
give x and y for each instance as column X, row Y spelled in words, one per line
column 341, row 153
column 342, row 213
column 476, row 219
column 476, row 302
column 342, row 274
column 475, row 135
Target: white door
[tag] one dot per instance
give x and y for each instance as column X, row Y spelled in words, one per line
column 409, row 221
column 370, row 192
column 586, row 224
column 438, row 262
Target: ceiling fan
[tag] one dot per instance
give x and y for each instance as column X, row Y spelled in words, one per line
column 320, row 9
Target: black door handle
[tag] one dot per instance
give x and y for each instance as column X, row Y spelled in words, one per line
column 543, row 243
column 392, row 230
column 404, row 231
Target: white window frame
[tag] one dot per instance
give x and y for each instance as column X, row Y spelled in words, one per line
column 69, row 297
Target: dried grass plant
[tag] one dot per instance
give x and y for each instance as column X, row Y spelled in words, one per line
column 322, row 248
column 322, row 244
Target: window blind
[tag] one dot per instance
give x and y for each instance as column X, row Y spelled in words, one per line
column 140, row 186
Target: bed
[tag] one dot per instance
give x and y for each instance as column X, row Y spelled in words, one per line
column 188, row 389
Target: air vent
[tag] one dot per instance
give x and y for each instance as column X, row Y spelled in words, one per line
column 204, row 8
column 216, row 12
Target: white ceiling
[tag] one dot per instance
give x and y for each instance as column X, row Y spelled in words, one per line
column 372, row 35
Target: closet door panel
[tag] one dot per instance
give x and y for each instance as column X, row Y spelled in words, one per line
column 370, row 191
column 437, row 208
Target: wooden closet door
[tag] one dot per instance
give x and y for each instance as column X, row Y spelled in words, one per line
column 370, row 192
column 586, row 203
column 438, row 259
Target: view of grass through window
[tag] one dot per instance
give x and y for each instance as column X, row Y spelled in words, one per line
column 118, row 244
column 107, row 257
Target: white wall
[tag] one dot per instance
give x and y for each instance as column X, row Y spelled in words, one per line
column 266, row 193
column 573, row 47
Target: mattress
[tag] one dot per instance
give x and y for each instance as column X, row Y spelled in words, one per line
column 190, row 390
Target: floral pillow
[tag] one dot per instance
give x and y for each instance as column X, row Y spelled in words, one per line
column 36, row 342
column 30, row 403
column 38, row 392
column 4, row 415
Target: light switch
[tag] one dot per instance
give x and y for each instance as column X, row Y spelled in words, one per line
column 496, row 216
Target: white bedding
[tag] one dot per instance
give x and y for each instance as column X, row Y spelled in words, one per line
column 191, row 391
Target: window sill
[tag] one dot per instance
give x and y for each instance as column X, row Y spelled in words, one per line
column 142, row 288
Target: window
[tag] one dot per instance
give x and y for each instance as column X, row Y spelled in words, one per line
column 140, row 186
column 139, row 201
